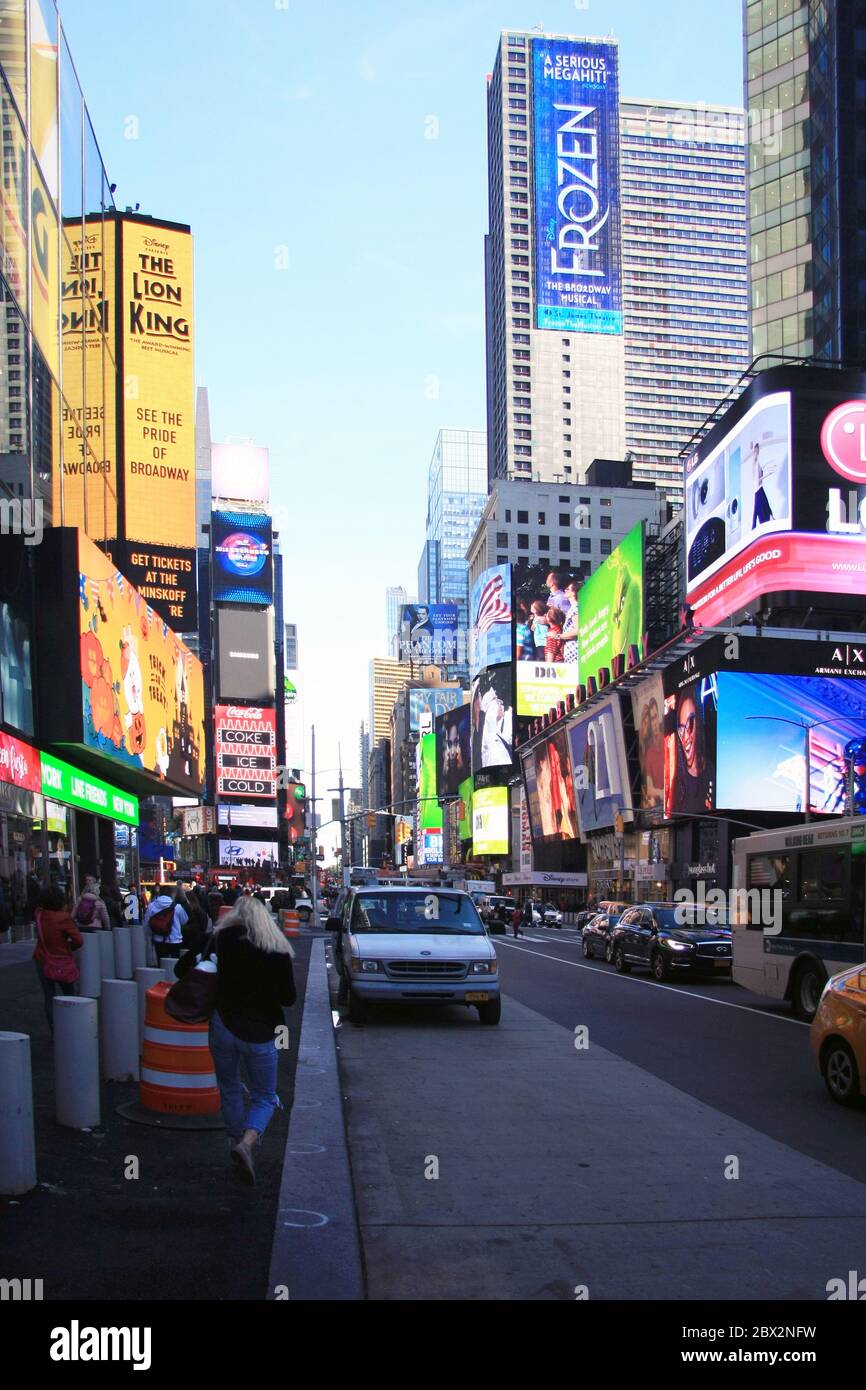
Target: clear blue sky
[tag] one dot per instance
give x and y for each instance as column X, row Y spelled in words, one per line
column 301, row 125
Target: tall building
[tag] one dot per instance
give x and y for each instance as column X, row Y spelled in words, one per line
column 456, row 495
column 387, row 679
column 807, row 193
column 685, row 275
column 616, row 268
column 395, row 597
column 203, row 446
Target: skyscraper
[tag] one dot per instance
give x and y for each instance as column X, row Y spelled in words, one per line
column 395, row 597
column 807, row 193
column 456, row 496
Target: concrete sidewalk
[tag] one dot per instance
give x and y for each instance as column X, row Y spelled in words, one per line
column 562, row 1169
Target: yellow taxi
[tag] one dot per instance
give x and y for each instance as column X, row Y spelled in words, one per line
column 838, row 1035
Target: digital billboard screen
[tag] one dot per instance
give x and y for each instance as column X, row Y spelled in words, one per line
column 611, row 607
column 428, row 633
column 239, row 473
column 492, row 719
column 243, row 565
column 546, row 643
column 491, row 821
column 427, row 702
column 257, row 817
column 690, row 747
column 464, row 809
column 246, row 658
column 600, row 768
column 248, row 854
column 575, row 102
column 429, row 810
column 142, row 689
column 779, row 734
column 246, row 751
column 491, row 618
column 648, row 702
column 453, row 751
column 551, row 798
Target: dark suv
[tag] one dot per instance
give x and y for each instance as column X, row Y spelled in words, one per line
column 671, row 940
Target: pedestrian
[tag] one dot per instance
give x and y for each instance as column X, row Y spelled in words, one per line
column 196, row 925
column 254, row 981
column 215, row 902
column 114, row 906
column 166, row 919
column 516, row 918
column 57, row 937
column 34, row 893
column 526, row 917
column 89, row 912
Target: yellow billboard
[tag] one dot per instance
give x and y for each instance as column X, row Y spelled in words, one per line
column 142, row 689
column 45, row 306
column 158, row 385
column 89, row 411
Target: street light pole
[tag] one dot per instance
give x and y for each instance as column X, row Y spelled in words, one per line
column 314, row 874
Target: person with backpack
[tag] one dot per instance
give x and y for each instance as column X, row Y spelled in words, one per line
column 89, row 912
column 57, row 937
column 165, row 919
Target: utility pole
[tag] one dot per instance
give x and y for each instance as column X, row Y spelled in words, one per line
column 314, row 875
column 343, row 851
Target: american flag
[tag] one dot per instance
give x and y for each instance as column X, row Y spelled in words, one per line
column 491, row 609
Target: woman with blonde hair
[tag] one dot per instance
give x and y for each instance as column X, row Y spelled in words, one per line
column 254, row 982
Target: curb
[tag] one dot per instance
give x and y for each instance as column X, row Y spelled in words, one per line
column 316, row 1253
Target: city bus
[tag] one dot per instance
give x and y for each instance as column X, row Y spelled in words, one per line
column 808, row 912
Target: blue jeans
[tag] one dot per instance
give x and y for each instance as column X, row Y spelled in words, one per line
column 260, row 1060
column 49, row 989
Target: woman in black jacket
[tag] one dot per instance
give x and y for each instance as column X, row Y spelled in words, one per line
column 254, row 981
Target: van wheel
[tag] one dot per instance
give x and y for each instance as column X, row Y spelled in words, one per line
column 839, row 1069
column 357, row 1010
column 608, row 953
column 806, row 992
column 491, row 1012
column 620, row 963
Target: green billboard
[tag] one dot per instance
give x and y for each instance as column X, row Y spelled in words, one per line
column 465, row 809
column 429, row 810
column 63, row 782
column 611, row 607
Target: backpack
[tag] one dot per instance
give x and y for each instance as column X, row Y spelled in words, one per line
column 161, row 922
column 85, row 912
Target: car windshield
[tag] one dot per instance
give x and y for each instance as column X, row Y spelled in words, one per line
column 691, row 918
column 416, row 912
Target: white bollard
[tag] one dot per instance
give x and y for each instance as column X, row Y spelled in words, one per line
column 168, row 970
column 144, row 978
column 17, row 1139
column 120, row 1030
column 106, row 954
column 139, row 947
column 76, row 1062
column 122, row 952
column 89, row 959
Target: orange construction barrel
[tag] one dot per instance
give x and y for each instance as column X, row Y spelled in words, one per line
column 177, row 1070
column 290, row 921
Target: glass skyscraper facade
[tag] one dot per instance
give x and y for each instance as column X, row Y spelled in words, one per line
column 805, row 90
column 456, row 496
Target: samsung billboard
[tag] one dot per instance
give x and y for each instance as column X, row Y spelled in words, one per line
column 575, row 87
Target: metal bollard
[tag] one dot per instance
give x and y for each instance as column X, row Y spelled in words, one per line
column 17, row 1139
column 139, row 947
column 144, row 978
column 122, row 952
column 89, row 960
column 76, row 1062
column 120, row 1030
column 106, row 954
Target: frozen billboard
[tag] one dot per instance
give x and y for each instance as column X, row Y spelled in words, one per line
column 575, row 87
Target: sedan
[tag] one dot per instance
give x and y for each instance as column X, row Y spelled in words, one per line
column 551, row 915
column 653, row 935
column 838, row 1036
column 597, row 936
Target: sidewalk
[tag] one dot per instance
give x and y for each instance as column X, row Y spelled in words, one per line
column 185, row 1229
column 502, row 1163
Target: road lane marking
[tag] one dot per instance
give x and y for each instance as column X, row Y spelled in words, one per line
column 636, row 980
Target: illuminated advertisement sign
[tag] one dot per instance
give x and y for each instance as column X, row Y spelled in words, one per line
column 550, row 789
column 69, row 785
column 239, row 473
column 245, row 645
column 426, row 703
column 246, row 751
column 647, row 702
column 256, row 817
column 19, row 764
column 142, row 689
column 546, row 643
column 575, row 101
column 453, row 751
column 243, row 567
column 600, row 768
column 491, row 821
column 248, row 854
column 611, row 607
column 428, row 633
column 464, row 809
column 775, row 495
column 429, row 810
column 492, row 719
column 690, row 748
column 490, row 610
column 430, row 847
column 198, row 820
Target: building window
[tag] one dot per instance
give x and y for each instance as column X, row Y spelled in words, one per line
column 544, row 542
column 585, row 546
column 605, row 502
column 566, row 453
column 507, row 516
column 567, row 438
column 522, row 541
column 502, row 559
column 523, row 518
column 605, row 523
column 566, row 374
column 501, row 538
column 606, row 547
column 565, row 545
column 586, row 567
column 585, row 500
column 564, row 519
column 541, row 519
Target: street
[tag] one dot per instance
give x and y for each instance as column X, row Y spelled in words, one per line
column 601, row 1167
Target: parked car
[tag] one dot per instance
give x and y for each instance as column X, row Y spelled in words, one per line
column 396, row 945
column 597, row 935
column 550, row 915
column 651, row 935
column 838, row 1035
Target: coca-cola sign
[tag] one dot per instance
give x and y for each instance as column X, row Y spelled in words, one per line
column 19, row 764
column 246, row 751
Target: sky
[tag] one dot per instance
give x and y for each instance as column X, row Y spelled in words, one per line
column 339, row 251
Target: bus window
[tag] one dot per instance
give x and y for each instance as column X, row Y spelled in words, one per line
column 822, row 874
column 771, row 871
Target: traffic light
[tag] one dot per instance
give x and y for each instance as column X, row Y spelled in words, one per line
column 296, row 811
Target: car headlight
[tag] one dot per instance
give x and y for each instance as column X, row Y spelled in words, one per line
column 680, row 946
column 483, row 967
column 365, row 967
